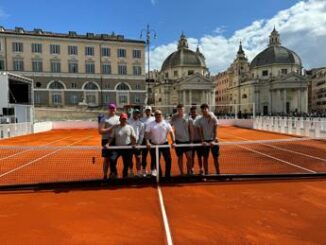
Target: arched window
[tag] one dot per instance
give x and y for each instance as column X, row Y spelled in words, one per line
column 91, row 86
column 56, row 85
column 122, row 86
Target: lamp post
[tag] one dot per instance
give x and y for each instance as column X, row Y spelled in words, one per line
column 149, row 33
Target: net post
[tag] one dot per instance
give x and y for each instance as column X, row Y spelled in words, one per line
column 157, row 156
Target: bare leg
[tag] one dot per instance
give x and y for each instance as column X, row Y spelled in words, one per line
column 189, row 162
column 206, row 164
column 106, row 165
column 217, row 167
column 180, row 163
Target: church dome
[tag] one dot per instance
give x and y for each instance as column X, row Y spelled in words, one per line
column 184, row 56
column 275, row 54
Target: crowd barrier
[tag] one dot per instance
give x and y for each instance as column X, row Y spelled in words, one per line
column 310, row 127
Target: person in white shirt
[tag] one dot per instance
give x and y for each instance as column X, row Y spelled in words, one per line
column 146, row 120
column 139, row 129
column 156, row 133
column 105, row 127
column 124, row 135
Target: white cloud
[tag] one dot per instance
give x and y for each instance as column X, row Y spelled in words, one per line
column 3, row 14
column 302, row 28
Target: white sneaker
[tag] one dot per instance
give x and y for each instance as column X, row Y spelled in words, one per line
column 154, row 172
column 144, row 172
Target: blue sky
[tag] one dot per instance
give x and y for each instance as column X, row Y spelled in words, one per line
column 205, row 22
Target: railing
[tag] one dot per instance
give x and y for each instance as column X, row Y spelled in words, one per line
column 15, row 129
column 311, row 127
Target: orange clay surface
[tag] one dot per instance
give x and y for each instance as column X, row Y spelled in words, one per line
column 265, row 212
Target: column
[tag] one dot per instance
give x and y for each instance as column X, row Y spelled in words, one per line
column 190, row 97
column 213, row 99
column 297, row 95
column 284, row 101
column 270, row 102
column 279, row 106
column 202, row 97
column 184, row 97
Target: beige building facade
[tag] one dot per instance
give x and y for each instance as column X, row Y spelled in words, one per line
column 71, row 69
column 318, row 92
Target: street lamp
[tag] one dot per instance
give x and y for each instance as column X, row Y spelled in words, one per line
column 149, row 33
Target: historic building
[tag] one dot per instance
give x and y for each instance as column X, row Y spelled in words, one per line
column 272, row 83
column 222, row 81
column 71, row 69
column 317, row 98
column 184, row 78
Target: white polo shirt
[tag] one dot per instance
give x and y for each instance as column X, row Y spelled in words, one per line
column 158, row 132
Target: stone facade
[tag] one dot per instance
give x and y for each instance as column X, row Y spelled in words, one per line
column 71, row 69
column 272, row 83
column 184, row 79
column 318, row 91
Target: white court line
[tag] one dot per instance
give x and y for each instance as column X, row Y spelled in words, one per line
column 16, row 154
column 282, row 149
column 160, row 196
column 40, row 158
column 165, row 217
column 275, row 158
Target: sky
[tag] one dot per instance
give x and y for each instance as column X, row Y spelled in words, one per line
column 215, row 26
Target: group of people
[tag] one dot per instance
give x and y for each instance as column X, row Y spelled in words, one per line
column 189, row 134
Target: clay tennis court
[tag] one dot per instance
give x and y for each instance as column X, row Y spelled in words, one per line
column 237, row 212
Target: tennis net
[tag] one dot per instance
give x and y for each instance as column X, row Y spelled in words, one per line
column 33, row 166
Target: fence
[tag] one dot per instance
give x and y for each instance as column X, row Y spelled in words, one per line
column 311, row 127
column 15, row 129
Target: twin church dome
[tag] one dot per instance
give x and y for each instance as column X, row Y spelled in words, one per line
column 274, row 54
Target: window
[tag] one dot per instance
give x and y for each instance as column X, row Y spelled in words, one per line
column 90, row 68
column 18, row 65
column 122, row 86
column 89, row 51
column 90, row 99
column 137, row 99
column 73, row 67
column 36, row 48
column 54, row 49
column 175, row 73
column 122, row 69
column 190, row 72
column 2, row 65
column 137, row 86
column 38, row 85
column 106, row 99
column 166, row 75
column 265, row 73
column 137, row 70
column 123, row 99
column 73, row 85
column 244, row 96
column 72, row 50
column 106, row 52
column 56, row 85
column 37, row 99
column 37, row 65
column 17, row 47
column 55, row 66
column 106, row 69
column 74, row 99
column 121, row 53
column 91, row 86
column 56, row 99
column 284, row 71
column 136, row 53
